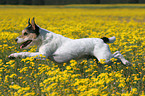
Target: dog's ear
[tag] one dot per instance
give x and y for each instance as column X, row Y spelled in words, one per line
column 29, row 22
column 33, row 24
column 35, row 27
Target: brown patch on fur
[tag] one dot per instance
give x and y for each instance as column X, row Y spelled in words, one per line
column 32, row 35
column 29, row 35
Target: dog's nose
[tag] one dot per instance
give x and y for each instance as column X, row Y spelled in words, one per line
column 16, row 39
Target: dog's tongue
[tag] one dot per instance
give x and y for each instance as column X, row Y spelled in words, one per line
column 25, row 44
column 21, row 46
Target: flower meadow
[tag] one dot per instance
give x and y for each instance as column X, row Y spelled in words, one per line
column 34, row 77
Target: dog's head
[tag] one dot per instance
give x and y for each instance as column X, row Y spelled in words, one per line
column 29, row 35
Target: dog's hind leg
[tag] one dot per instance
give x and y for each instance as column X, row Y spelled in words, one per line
column 105, row 54
column 118, row 55
column 102, row 53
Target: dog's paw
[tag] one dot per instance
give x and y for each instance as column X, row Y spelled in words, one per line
column 13, row 56
column 116, row 53
column 10, row 57
column 127, row 63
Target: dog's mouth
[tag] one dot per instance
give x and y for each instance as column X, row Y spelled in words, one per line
column 25, row 44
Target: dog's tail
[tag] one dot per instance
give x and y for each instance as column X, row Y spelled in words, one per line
column 109, row 40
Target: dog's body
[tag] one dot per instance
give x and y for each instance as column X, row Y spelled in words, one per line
column 61, row 49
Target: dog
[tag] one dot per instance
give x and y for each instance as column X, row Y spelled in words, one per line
column 61, row 49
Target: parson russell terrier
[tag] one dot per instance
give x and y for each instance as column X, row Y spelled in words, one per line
column 61, row 49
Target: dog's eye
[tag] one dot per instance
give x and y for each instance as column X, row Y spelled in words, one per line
column 25, row 33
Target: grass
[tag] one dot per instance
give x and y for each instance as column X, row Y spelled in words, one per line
column 30, row 77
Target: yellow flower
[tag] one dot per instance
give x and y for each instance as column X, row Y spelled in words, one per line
column 30, row 94
column 15, row 86
column 121, row 85
column 11, row 76
column 68, row 67
column 134, row 90
column 1, row 60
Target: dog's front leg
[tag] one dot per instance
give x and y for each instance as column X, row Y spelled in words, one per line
column 23, row 55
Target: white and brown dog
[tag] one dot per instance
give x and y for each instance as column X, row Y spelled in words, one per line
column 61, row 49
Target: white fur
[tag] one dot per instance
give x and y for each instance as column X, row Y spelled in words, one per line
column 20, row 40
column 62, row 49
